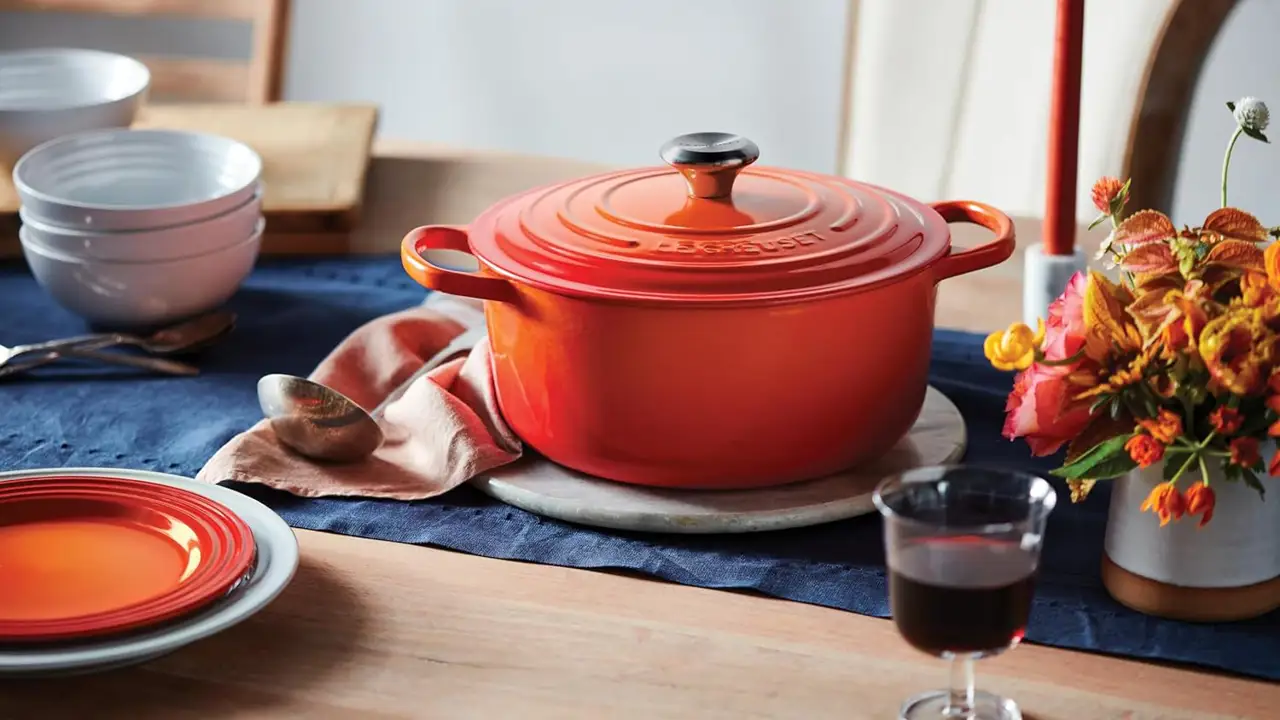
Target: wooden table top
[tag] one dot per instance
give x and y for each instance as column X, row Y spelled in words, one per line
column 381, row 630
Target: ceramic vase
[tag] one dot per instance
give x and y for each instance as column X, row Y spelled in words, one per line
column 1227, row 570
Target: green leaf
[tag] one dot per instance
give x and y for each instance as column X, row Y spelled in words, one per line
column 1232, row 472
column 1251, row 479
column 1106, row 460
column 1075, row 357
column 1256, row 134
column 1174, row 457
column 1101, row 219
column 1231, row 106
column 1186, row 263
column 1118, row 202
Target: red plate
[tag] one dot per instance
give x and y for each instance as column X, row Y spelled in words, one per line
column 206, row 545
column 90, row 556
column 191, row 551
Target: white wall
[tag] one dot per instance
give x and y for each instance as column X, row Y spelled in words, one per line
column 950, row 96
column 607, row 81
column 952, row 99
column 1243, row 61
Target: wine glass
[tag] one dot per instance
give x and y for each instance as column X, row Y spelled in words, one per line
column 962, row 545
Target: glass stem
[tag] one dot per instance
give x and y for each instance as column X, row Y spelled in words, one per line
column 960, row 701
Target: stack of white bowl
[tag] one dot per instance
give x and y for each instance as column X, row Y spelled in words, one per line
column 123, row 227
column 140, row 227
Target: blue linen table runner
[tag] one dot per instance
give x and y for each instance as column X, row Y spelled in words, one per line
column 293, row 312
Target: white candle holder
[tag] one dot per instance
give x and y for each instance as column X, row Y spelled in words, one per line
column 1044, row 277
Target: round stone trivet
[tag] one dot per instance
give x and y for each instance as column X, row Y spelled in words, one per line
column 544, row 488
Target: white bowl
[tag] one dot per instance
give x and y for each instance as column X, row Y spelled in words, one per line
column 49, row 93
column 135, row 179
column 171, row 243
column 121, row 294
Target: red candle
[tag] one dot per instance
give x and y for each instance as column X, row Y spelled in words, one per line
column 1064, row 130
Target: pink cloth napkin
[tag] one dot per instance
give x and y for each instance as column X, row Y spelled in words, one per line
column 441, row 432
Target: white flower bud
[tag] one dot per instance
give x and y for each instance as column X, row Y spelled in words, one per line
column 1252, row 114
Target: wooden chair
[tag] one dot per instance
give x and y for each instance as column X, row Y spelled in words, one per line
column 178, row 79
column 1168, row 84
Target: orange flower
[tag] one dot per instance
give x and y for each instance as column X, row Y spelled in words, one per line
column 1200, row 501
column 1236, row 351
column 1226, row 420
column 1271, row 261
column 1166, row 502
column 1165, row 427
column 1194, row 318
column 1274, row 468
column 1173, row 310
column 1254, row 290
column 1145, row 450
column 1244, row 452
column 1104, row 192
column 1108, row 327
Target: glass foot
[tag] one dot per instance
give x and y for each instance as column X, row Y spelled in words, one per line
column 933, row 706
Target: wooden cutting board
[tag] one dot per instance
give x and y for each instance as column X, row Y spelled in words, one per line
column 315, row 158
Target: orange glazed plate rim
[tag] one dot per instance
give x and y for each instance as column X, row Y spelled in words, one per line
column 188, row 594
column 226, row 541
column 218, row 538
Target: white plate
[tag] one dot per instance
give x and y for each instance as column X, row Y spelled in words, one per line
column 125, row 179
column 276, row 562
column 542, row 487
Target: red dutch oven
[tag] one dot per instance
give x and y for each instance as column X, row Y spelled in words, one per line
column 709, row 325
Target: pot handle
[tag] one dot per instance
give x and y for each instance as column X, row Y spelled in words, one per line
column 959, row 262
column 453, row 282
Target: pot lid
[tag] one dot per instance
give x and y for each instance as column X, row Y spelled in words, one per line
column 710, row 227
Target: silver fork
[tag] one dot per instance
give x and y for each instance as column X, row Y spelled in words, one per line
column 20, row 358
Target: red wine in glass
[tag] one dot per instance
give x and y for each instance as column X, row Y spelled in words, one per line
column 962, row 545
column 963, row 595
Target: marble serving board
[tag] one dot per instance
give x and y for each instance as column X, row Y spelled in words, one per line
column 544, row 488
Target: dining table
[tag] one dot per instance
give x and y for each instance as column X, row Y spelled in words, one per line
column 371, row 629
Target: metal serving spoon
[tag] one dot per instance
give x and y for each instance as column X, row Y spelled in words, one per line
column 183, row 337
column 323, row 424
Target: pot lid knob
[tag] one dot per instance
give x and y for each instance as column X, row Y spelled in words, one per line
column 709, row 161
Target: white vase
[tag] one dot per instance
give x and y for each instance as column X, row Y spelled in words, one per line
column 1162, row 570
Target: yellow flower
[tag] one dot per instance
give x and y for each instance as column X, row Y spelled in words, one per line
column 1015, row 348
column 1121, row 372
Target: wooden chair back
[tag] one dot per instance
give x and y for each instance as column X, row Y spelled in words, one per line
column 1168, row 85
column 181, row 79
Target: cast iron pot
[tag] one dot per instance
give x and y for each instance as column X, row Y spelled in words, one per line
column 709, row 325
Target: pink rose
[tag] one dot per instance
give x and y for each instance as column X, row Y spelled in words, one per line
column 1064, row 329
column 1040, row 407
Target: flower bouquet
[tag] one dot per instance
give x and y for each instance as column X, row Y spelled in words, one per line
column 1176, row 363
column 1167, row 382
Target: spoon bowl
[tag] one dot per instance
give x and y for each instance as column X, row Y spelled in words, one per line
column 316, row 421
column 321, row 423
